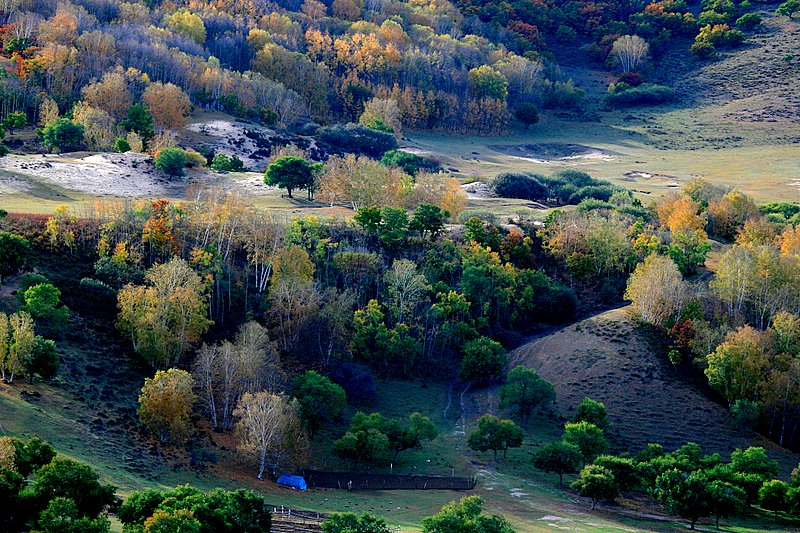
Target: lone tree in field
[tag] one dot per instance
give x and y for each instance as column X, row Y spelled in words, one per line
column 630, row 50
column 525, row 391
column 165, row 405
column 527, row 114
column 351, row 522
column 559, row 458
column 466, row 516
column 410, row 434
column 292, row 173
column 269, row 423
column 596, row 483
column 167, row 316
column 495, row 434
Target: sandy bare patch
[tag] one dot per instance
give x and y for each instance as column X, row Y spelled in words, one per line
column 251, row 143
column 546, row 152
column 478, row 189
column 639, row 175
column 100, row 174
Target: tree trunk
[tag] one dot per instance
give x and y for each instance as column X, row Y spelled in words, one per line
column 262, row 463
column 560, row 480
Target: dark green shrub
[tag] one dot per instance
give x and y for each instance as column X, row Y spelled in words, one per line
column 598, row 192
column 171, row 161
column 97, row 296
column 4, row 150
column 748, row 21
column 783, row 208
column 117, row 274
column 512, row 185
column 62, row 134
column 140, row 121
column 358, row 139
column 527, row 114
column 575, row 177
column 13, row 252
column 221, row 163
column 703, row 50
column 561, row 94
column 645, row 94
column 410, row 163
column 122, row 145
column 565, row 34
column 26, row 281
column 592, row 204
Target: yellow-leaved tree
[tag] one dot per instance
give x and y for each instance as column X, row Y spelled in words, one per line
column 167, row 315
column 657, row 290
column 17, row 342
column 165, row 405
column 270, row 428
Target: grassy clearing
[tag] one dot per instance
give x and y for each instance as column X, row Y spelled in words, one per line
column 634, row 155
column 531, row 499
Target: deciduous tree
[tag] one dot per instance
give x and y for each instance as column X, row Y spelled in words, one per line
column 168, row 315
column 597, row 483
column 524, row 391
column 483, row 360
column 657, row 290
column 588, row 438
column 270, row 426
column 320, row 399
column 495, row 434
column 630, row 50
column 168, row 104
column 560, row 458
column 66, row 478
column 292, row 173
column 165, row 405
column 466, row 516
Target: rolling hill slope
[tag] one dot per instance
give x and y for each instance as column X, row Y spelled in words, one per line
column 607, row 358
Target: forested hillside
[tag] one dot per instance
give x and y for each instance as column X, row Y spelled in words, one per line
column 467, row 67
column 241, row 239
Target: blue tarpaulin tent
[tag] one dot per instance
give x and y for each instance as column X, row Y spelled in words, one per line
column 297, row 482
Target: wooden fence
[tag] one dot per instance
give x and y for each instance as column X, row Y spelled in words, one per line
column 365, row 481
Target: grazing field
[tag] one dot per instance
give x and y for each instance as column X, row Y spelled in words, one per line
column 89, row 414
